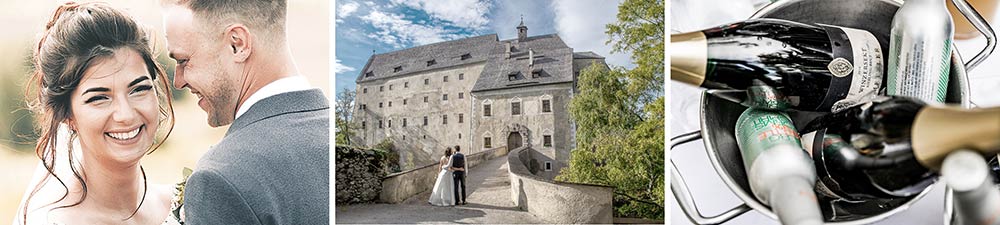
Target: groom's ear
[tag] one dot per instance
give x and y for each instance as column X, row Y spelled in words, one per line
column 239, row 40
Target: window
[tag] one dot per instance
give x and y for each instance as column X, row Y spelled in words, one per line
column 404, row 137
column 425, row 120
column 397, row 69
column 461, row 76
column 369, row 74
column 461, row 95
column 431, row 62
column 390, row 123
column 487, row 111
column 487, row 142
column 427, row 81
column 512, row 76
column 548, row 165
column 547, row 140
column 404, row 122
column 390, row 103
column 404, row 101
column 536, row 74
column 546, row 105
column 444, row 97
column 515, row 108
column 390, row 87
column 461, row 117
column 444, row 119
column 380, row 124
column 380, row 105
column 466, row 56
column 365, row 91
column 445, row 78
column 381, row 88
column 364, row 125
column 363, row 106
column 459, row 135
column 406, row 84
column 425, row 98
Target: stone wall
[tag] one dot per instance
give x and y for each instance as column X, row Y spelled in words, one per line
column 402, row 99
column 557, row 202
column 397, row 187
column 532, row 124
column 359, row 175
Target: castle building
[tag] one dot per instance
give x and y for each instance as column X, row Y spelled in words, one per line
column 478, row 92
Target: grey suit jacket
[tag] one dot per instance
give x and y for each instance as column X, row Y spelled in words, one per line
column 272, row 167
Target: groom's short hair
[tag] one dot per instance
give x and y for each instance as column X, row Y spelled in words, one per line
column 458, row 149
column 259, row 15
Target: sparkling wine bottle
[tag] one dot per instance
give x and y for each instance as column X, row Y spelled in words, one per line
column 816, row 67
column 780, row 173
column 920, row 51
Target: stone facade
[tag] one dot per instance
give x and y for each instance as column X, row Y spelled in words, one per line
column 359, row 175
column 524, row 85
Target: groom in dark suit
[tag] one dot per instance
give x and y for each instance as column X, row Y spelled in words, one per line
column 272, row 166
column 458, row 167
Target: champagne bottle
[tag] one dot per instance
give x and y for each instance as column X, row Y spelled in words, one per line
column 817, row 67
column 920, row 51
column 930, row 132
column 780, row 173
column 976, row 198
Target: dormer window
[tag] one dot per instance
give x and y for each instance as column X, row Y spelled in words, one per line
column 397, row 69
column 536, row 73
column 466, row 56
column 512, row 76
column 369, row 74
column 431, row 62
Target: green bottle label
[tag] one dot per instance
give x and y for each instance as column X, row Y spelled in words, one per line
column 766, row 97
column 759, row 130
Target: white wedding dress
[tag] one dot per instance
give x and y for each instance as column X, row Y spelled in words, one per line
column 443, row 193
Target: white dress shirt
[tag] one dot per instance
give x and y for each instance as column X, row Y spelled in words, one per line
column 280, row 86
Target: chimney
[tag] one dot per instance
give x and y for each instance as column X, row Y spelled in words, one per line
column 531, row 58
column 506, row 51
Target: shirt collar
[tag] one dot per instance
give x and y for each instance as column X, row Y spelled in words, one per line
column 279, row 86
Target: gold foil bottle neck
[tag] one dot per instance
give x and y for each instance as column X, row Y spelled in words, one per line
column 939, row 131
column 688, row 57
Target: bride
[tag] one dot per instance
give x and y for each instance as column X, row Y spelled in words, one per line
column 100, row 100
column 443, row 192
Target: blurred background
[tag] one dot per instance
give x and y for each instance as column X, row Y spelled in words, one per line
column 308, row 33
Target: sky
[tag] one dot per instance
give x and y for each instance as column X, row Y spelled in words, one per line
column 363, row 26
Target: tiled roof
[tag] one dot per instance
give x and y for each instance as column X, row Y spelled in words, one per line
column 415, row 59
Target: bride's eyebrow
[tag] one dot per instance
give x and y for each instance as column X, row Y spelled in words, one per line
column 96, row 89
column 137, row 80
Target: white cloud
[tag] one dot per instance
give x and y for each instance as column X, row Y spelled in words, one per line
column 340, row 68
column 394, row 30
column 469, row 14
column 581, row 24
column 346, row 9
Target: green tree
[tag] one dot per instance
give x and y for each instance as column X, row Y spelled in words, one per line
column 344, row 115
column 621, row 145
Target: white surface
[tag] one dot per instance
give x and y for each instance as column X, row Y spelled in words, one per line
column 711, row 195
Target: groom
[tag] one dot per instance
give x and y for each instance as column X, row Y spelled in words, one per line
column 272, row 166
column 458, row 166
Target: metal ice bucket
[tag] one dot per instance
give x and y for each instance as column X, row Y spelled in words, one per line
column 718, row 131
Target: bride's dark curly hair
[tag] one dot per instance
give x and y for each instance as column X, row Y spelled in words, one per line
column 74, row 38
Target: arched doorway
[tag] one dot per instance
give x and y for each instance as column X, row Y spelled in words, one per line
column 514, row 140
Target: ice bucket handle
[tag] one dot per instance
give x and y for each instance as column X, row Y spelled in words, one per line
column 983, row 27
column 683, row 195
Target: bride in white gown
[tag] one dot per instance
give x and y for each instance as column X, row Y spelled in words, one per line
column 443, row 192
